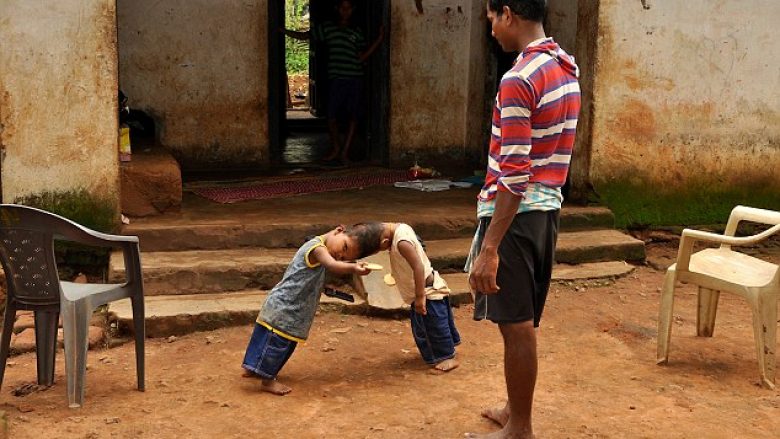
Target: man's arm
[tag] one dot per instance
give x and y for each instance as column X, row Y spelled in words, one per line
column 517, row 101
column 371, row 49
column 483, row 274
column 298, row 35
column 409, row 253
column 320, row 255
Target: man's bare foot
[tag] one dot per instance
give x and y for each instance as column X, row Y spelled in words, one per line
column 499, row 415
column 332, row 155
column 275, row 387
column 500, row 434
column 249, row 374
column 447, row 365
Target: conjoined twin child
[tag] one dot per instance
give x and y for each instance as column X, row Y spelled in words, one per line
column 288, row 313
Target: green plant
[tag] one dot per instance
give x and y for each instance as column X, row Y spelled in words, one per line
column 637, row 204
column 79, row 206
column 296, row 52
column 296, row 56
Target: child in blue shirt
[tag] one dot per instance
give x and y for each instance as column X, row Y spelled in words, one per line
column 288, row 312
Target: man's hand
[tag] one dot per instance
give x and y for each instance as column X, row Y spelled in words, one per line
column 361, row 269
column 419, row 306
column 484, row 271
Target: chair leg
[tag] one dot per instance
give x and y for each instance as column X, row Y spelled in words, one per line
column 75, row 323
column 765, row 330
column 707, row 309
column 665, row 318
column 5, row 337
column 139, row 326
column 46, row 345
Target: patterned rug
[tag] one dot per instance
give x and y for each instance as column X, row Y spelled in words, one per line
column 299, row 186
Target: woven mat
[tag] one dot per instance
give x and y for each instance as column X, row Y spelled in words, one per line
column 299, row 186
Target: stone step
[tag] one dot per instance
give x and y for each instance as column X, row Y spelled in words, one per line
column 181, row 314
column 210, row 271
column 252, row 229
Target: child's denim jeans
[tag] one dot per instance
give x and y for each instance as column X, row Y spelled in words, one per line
column 435, row 332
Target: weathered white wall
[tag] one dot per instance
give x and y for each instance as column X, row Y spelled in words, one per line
column 58, row 101
column 437, row 73
column 200, row 67
column 687, row 92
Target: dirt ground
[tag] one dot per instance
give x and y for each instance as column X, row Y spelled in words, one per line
column 597, row 378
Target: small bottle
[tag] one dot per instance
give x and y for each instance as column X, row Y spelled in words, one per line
column 124, row 143
column 414, row 172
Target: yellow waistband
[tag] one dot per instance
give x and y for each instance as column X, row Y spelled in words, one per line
column 280, row 333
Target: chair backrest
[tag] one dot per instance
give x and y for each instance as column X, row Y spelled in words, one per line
column 755, row 215
column 27, row 252
column 752, row 214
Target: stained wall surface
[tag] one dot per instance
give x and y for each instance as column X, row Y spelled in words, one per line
column 438, row 63
column 686, row 95
column 58, row 101
column 200, row 68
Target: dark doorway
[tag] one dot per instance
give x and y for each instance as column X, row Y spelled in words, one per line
column 298, row 123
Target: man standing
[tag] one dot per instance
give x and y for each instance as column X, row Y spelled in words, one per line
column 534, row 122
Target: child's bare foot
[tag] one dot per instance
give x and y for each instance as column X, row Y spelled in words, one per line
column 447, row 365
column 499, row 415
column 275, row 387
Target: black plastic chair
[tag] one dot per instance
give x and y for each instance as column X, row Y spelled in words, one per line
column 27, row 238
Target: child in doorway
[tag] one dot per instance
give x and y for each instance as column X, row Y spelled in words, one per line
column 433, row 327
column 288, row 312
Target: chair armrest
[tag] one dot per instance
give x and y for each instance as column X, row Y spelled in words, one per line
column 88, row 236
column 691, row 236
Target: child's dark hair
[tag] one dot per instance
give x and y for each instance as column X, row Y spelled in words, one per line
column 532, row 10
column 367, row 236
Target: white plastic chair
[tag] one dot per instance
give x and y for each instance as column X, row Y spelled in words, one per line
column 722, row 269
column 27, row 238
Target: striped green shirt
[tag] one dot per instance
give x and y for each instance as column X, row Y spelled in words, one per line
column 344, row 45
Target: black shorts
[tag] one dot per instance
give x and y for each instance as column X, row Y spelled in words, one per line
column 526, row 255
column 344, row 98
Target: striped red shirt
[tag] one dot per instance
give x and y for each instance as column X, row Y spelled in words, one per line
column 534, row 121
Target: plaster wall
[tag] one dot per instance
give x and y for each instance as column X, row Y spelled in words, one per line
column 686, row 94
column 199, row 67
column 434, row 78
column 58, row 100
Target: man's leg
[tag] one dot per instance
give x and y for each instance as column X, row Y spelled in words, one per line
column 520, row 365
column 348, row 142
column 333, row 131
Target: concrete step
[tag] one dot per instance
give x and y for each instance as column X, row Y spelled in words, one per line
column 181, row 314
column 210, row 271
column 253, row 229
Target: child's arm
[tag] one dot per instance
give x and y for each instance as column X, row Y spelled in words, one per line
column 409, row 253
column 320, row 255
column 368, row 52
